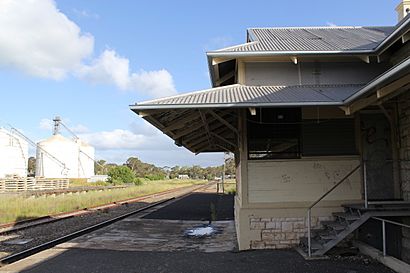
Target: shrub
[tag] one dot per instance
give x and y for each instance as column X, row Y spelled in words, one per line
column 138, row 181
column 120, row 175
column 153, row 177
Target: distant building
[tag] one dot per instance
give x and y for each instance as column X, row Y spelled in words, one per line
column 98, row 178
column 183, row 176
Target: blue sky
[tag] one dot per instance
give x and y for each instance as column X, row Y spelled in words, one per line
column 88, row 60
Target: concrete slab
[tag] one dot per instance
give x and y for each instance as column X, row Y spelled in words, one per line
column 260, row 261
column 134, row 234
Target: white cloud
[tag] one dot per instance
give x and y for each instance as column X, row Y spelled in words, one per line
column 79, row 129
column 141, row 140
column 86, row 14
column 121, row 139
column 330, row 24
column 37, row 38
column 218, row 42
column 116, row 139
column 46, row 124
column 110, row 68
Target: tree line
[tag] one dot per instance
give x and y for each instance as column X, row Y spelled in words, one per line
column 140, row 169
column 150, row 171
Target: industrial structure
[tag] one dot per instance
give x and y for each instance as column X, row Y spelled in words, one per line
column 61, row 157
column 318, row 118
column 13, row 154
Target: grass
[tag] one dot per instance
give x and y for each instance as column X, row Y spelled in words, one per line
column 18, row 207
column 230, row 186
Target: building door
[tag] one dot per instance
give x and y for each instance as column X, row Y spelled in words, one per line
column 377, row 152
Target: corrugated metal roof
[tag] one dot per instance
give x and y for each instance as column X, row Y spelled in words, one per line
column 313, row 39
column 241, row 95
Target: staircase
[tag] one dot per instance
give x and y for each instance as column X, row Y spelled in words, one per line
column 344, row 223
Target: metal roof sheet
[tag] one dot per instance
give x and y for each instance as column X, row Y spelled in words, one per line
column 241, row 95
column 330, row 39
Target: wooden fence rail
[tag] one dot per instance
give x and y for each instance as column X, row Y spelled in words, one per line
column 20, row 184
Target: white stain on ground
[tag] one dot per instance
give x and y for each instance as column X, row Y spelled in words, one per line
column 200, row 231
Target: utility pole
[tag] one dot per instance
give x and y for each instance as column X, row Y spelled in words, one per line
column 223, row 175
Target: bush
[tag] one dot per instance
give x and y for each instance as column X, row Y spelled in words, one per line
column 120, row 175
column 138, row 181
column 153, row 177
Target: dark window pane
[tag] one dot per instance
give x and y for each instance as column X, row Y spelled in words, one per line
column 274, row 133
column 331, row 137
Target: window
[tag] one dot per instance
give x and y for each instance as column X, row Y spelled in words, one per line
column 274, row 133
column 328, row 137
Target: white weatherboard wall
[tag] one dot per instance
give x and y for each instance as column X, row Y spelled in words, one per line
column 276, row 194
column 303, row 180
column 13, row 154
column 263, row 73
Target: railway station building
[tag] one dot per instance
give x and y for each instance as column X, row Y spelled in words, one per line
column 318, row 119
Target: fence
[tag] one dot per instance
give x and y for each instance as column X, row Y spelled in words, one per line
column 21, row 184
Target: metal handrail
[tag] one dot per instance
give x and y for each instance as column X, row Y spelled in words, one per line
column 309, row 211
column 384, row 221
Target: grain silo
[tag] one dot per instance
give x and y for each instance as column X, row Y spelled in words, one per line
column 13, row 154
column 63, row 161
column 59, row 157
column 85, row 160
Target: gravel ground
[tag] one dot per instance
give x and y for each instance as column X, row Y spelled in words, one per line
column 47, row 232
column 258, row 261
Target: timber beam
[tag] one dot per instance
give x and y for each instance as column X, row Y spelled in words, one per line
column 180, row 123
column 223, row 121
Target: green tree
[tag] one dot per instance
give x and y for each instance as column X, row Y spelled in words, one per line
column 145, row 170
column 122, row 174
column 31, row 165
column 100, row 167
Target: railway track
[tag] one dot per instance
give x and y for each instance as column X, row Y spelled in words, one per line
column 24, row 224
column 126, row 211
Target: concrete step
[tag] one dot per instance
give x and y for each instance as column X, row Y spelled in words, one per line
column 334, row 225
column 327, row 236
column 315, row 245
column 346, row 216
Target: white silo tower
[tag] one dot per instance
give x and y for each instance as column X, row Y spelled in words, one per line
column 62, row 149
column 13, row 154
column 86, row 160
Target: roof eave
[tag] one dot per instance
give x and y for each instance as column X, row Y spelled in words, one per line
column 137, row 108
column 211, row 71
column 401, row 67
column 231, row 54
column 402, row 28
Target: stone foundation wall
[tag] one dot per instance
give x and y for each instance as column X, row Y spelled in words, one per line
column 277, row 233
column 404, row 134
